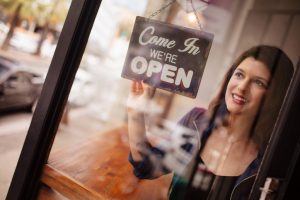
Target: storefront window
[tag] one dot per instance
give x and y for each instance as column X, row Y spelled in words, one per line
column 172, row 100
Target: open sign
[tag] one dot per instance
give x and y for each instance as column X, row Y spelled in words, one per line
column 167, row 56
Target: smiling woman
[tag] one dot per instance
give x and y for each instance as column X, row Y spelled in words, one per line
column 247, row 87
column 233, row 131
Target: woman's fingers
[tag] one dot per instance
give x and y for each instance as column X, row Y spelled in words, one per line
column 133, row 86
column 140, row 86
column 137, row 88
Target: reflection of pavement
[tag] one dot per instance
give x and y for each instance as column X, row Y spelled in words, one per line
column 13, row 128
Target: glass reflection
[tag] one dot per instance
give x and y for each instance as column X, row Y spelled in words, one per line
column 213, row 152
column 233, row 131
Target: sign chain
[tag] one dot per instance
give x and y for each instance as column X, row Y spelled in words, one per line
column 161, row 9
column 195, row 13
column 170, row 3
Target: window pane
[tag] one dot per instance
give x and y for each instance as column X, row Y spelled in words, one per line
column 124, row 139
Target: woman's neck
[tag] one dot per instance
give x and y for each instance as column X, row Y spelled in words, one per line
column 239, row 127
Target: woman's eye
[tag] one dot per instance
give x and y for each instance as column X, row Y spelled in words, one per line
column 238, row 74
column 260, row 83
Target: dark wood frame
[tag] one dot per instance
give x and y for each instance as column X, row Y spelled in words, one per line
column 70, row 48
column 283, row 150
column 65, row 62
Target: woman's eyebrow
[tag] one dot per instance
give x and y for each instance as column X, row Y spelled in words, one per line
column 257, row 77
column 238, row 69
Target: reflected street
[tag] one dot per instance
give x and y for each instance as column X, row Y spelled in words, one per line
column 13, row 130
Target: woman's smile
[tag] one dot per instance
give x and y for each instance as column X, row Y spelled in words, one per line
column 239, row 99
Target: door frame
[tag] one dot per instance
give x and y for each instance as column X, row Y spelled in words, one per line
column 282, row 153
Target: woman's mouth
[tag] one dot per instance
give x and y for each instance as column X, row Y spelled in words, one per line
column 239, row 99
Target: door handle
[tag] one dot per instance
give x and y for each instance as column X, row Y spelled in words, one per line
column 270, row 188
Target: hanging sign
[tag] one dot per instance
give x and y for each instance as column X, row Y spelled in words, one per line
column 167, row 56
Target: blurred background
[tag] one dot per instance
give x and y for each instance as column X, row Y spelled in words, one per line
column 29, row 31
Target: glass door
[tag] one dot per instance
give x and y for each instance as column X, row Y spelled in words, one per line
column 148, row 100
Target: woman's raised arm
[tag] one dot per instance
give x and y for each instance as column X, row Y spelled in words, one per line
column 137, row 105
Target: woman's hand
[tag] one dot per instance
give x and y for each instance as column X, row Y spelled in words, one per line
column 139, row 97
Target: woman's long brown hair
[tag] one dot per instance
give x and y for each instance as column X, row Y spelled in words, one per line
column 281, row 69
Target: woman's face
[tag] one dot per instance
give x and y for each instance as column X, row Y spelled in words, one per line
column 247, row 87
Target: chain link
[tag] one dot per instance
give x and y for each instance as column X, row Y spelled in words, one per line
column 161, row 9
column 195, row 13
column 173, row 1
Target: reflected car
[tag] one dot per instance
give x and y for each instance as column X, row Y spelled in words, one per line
column 19, row 89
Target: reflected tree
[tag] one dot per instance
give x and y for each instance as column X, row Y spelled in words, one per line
column 42, row 13
column 12, row 8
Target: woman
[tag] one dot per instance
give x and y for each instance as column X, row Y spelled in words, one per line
column 234, row 130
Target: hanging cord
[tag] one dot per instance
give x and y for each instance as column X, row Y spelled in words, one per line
column 173, row 1
column 195, row 13
column 161, row 9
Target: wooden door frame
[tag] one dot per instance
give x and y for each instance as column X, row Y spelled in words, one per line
column 65, row 62
column 283, row 151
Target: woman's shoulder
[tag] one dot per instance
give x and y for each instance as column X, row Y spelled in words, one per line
column 194, row 114
column 198, row 110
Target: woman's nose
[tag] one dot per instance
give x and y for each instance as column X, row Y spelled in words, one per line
column 243, row 85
